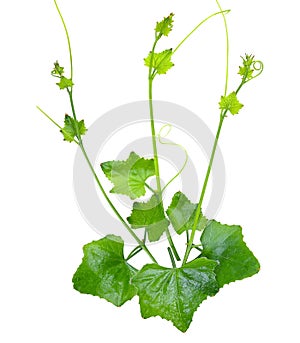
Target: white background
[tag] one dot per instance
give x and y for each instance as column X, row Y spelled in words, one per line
column 42, row 231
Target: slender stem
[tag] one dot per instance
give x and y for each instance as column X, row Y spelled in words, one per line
column 78, row 135
column 154, row 145
column 46, row 115
column 172, row 257
column 68, row 37
column 139, row 241
column 187, row 236
column 134, row 252
column 227, row 47
column 53, row 121
column 150, row 188
column 197, row 27
column 222, row 117
column 198, row 211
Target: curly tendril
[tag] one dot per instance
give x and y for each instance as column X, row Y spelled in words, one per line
column 258, row 67
column 160, row 136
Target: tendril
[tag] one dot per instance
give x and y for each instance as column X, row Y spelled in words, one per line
column 258, row 67
column 160, row 136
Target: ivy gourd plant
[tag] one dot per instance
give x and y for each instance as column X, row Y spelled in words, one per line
column 172, row 292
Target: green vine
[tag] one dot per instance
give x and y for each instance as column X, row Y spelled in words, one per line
column 175, row 292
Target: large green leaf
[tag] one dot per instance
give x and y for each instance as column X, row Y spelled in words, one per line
column 225, row 244
column 175, row 294
column 181, row 213
column 129, row 176
column 104, row 272
column 151, row 216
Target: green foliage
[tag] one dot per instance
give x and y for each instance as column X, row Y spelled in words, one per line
column 161, row 61
column 104, row 272
column 171, row 293
column 175, row 294
column 129, row 176
column 57, row 70
column 181, row 213
column 69, row 130
column 246, row 70
column 230, row 103
column 151, row 216
column 224, row 243
column 165, row 26
column 65, row 83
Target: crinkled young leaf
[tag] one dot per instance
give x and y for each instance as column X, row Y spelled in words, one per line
column 57, row 70
column 175, row 294
column 151, row 216
column 246, row 71
column 104, row 272
column 69, row 130
column 161, row 61
column 129, row 176
column 225, row 244
column 230, row 103
column 65, row 83
column 181, row 213
column 165, row 26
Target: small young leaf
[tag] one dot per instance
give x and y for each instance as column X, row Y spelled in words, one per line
column 57, row 70
column 182, row 213
column 175, row 294
column 161, row 61
column 104, row 272
column 129, row 176
column 230, row 103
column 225, row 244
column 65, row 83
column 165, row 26
column 149, row 215
column 69, row 130
column 246, row 71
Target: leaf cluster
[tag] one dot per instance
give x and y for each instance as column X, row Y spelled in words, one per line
column 172, row 293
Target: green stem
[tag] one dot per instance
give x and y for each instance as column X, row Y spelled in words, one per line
column 138, row 240
column 222, row 117
column 154, row 145
column 46, row 115
column 197, row 27
column 198, row 211
column 150, row 188
column 68, row 37
column 171, row 257
column 70, row 92
column 53, row 121
column 134, row 252
column 227, row 47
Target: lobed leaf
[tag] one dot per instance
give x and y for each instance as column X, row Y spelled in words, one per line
column 69, row 130
column 230, row 103
column 181, row 213
column 225, row 244
column 165, row 26
column 161, row 61
column 175, row 294
column 246, row 71
column 65, row 83
column 151, row 216
column 129, row 176
column 104, row 272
